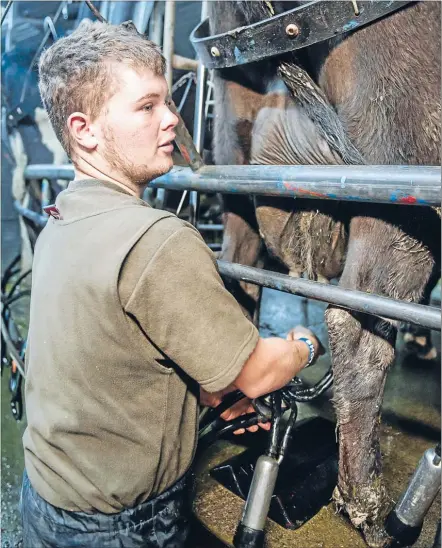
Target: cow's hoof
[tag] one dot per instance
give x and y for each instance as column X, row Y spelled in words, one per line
column 375, row 537
column 364, row 511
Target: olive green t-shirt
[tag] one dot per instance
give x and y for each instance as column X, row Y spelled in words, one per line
column 128, row 316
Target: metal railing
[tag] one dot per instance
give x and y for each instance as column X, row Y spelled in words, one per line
column 425, row 181
column 406, row 185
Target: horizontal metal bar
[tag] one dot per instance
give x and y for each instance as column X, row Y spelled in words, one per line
column 408, row 185
column 50, row 171
column 210, row 228
column 36, row 218
column 425, row 316
column 214, row 247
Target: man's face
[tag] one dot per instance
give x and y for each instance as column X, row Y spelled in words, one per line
column 135, row 128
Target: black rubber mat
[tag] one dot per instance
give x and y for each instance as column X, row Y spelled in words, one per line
column 306, row 479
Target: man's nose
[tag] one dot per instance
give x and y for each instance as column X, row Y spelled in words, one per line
column 170, row 120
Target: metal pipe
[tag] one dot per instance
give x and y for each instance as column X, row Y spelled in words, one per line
column 426, row 316
column 141, row 15
column 407, row 185
column 36, row 218
column 104, row 9
column 210, row 228
column 94, row 10
column 49, row 171
column 168, row 39
column 199, row 121
column 119, row 12
column 5, row 12
column 156, row 23
column 214, row 247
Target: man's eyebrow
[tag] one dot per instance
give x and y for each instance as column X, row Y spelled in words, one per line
column 147, row 96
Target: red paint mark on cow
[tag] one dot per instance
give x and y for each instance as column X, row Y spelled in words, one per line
column 185, row 154
column 408, row 200
column 290, row 186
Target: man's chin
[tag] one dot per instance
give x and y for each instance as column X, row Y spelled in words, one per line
column 151, row 174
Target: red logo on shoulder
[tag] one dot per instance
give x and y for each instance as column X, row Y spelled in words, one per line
column 52, row 210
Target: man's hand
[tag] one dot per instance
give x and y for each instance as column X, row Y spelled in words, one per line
column 243, row 407
column 240, row 408
column 301, row 331
column 210, row 400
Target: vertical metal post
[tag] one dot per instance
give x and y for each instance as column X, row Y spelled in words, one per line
column 168, row 51
column 8, row 30
column 199, row 121
column 156, row 23
column 141, row 14
column 168, row 39
column 104, row 9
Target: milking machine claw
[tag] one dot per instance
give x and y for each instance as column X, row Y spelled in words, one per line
column 212, row 426
column 311, row 473
column 250, row 531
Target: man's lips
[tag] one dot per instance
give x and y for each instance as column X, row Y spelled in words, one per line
column 168, row 145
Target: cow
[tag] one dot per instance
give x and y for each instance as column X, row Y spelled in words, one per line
column 379, row 88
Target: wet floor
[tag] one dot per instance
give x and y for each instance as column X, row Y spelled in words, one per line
column 412, row 412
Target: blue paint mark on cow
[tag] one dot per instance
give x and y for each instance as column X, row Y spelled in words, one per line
column 350, row 26
column 332, row 196
column 239, row 57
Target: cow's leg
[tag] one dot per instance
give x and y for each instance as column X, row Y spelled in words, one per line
column 242, row 244
column 382, row 260
column 236, row 107
column 418, row 339
column 362, row 352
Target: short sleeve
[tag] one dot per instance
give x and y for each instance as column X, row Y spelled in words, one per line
column 181, row 304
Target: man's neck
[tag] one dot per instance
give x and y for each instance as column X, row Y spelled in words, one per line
column 84, row 170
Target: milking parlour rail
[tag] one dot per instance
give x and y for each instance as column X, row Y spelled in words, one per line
column 406, row 185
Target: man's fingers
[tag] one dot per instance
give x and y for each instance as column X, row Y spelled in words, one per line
column 240, row 408
column 227, row 415
column 254, row 428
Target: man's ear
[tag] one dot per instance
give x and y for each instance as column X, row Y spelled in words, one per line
column 82, row 131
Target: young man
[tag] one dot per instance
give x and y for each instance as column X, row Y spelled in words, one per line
column 128, row 315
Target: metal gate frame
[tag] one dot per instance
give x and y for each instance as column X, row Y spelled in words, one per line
column 425, row 316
